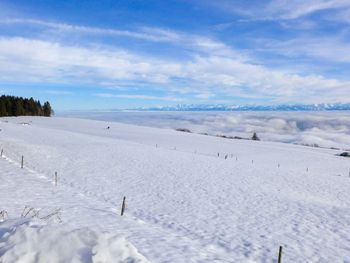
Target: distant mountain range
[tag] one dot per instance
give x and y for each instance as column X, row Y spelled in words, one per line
column 220, row 107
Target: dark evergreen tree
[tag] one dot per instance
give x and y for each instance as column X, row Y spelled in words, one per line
column 3, row 110
column 32, row 107
column 47, row 109
column 16, row 106
column 255, row 137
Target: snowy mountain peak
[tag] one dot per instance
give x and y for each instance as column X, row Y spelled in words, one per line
column 222, row 107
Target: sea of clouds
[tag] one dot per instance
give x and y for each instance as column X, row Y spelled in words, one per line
column 326, row 129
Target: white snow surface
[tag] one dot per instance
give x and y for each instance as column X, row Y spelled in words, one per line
column 184, row 203
column 25, row 241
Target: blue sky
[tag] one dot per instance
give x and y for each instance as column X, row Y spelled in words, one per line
column 105, row 54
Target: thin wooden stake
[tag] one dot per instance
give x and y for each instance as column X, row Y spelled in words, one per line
column 123, row 207
column 280, row 255
column 2, row 151
column 22, row 162
column 56, row 179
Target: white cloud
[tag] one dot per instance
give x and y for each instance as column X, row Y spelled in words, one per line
column 30, row 60
column 204, row 95
column 34, row 60
column 158, row 36
column 236, row 77
column 330, row 49
column 59, row 92
column 327, row 129
column 153, row 34
column 341, row 16
column 280, row 9
column 299, row 24
column 285, row 9
column 138, row 97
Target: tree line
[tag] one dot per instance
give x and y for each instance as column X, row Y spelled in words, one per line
column 18, row 106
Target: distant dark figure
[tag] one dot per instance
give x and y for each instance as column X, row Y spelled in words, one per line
column 344, row 154
column 108, row 128
column 255, row 137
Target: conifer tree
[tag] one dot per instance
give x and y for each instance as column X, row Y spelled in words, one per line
column 16, row 106
column 255, row 137
column 47, row 109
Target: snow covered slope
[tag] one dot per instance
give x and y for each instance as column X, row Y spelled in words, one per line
column 184, row 202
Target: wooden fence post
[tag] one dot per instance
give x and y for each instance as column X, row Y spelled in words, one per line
column 56, row 179
column 123, row 207
column 280, row 255
column 22, row 162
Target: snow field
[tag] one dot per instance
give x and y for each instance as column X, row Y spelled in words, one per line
column 183, row 205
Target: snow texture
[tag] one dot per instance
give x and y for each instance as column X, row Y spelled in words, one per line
column 184, row 202
column 25, row 241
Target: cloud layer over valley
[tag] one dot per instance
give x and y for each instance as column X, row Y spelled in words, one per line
column 326, row 129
